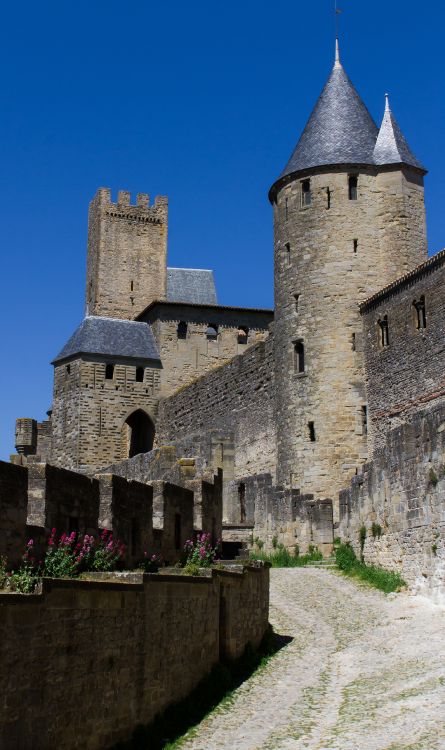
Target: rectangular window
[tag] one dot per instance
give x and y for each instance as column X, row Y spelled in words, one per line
column 311, row 431
column 299, row 363
column 328, row 198
column 296, row 301
column 287, row 249
column 355, row 245
column 306, row 194
column 364, row 419
column 353, row 184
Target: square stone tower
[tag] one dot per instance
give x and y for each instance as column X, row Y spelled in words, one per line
column 127, row 254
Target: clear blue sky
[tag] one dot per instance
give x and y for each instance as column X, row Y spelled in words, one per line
column 201, row 101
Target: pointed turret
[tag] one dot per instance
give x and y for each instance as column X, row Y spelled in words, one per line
column 340, row 129
column 391, row 146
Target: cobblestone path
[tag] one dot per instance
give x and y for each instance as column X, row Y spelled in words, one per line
column 363, row 672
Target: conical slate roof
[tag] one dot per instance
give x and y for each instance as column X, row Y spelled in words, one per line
column 340, row 130
column 391, row 146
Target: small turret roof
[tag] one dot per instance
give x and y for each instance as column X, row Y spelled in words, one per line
column 391, row 146
column 111, row 337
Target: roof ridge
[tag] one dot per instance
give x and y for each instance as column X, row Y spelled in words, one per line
column 439, row 256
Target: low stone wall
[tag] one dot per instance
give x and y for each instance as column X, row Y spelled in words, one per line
column 13, row 510
column 402, row 493
column 85, row 662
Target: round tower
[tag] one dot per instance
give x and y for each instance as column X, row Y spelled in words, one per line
column 348, row 219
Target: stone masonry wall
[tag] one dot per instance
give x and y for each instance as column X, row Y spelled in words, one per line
column 89, row 412
column 333, row 254
column 409, row 373
column 127, row 254
column 140, row 646
column 226, row 419
column 402, row 492
column 183, row 360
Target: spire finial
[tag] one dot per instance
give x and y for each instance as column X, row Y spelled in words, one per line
column 337, row 53
column 337, row 12
column 387, row 107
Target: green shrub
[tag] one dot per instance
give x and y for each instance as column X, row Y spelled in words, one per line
column 434, row 549
column 282, row 557
column 362, row 538
column 376, row 530
column 259, row 543
column 191, row 569
column 384, row 580
column 274, row 542
column 432, row 477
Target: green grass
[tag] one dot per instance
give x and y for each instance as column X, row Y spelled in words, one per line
column 178, row 723
column 282, row 558
column 384, row 580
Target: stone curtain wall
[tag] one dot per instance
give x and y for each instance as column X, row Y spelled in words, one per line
column 402, row 491
column 109, row 656
column 408, row 374
column 184, row 360
column 89, row 412
column 316, row 258
column 226, row 417
column 127, row 254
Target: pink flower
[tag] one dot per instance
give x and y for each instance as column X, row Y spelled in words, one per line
column 30, row 543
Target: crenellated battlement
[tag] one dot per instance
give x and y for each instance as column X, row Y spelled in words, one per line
column 124, row 208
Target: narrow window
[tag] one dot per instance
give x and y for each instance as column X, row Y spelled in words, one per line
column 328, row 198
column 286, row 209
column 299, row 356
column 353, row 342
column 296, row 301
column 355, row 244
column 364, row 419
column 109, row 372
column 68, row 369
column 131, row 285
column 311, row 431
column 287, row 248
column 420, row 312
column 181, row 331
column 139, row 374
column 306, row 194
column 243, row 334
column 384, row 332
column 353, row 182
column 177, row 531
column 212, row 332
column 242, row 501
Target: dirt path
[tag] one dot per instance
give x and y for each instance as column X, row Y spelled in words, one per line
column 363, row 672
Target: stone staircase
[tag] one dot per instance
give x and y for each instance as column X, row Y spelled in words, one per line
column 327, row 562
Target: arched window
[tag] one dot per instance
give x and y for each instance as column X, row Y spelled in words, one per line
column 139, row 433
column 139, row 374
column 212, row 332
column 299, row 356
column 420, row 313
column 243, row 335
column 109, row 372
column 181, row 331
column 384, row 332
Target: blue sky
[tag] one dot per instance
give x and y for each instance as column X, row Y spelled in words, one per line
column 200, row 101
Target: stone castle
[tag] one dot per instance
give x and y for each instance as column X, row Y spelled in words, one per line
column 299, row 406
